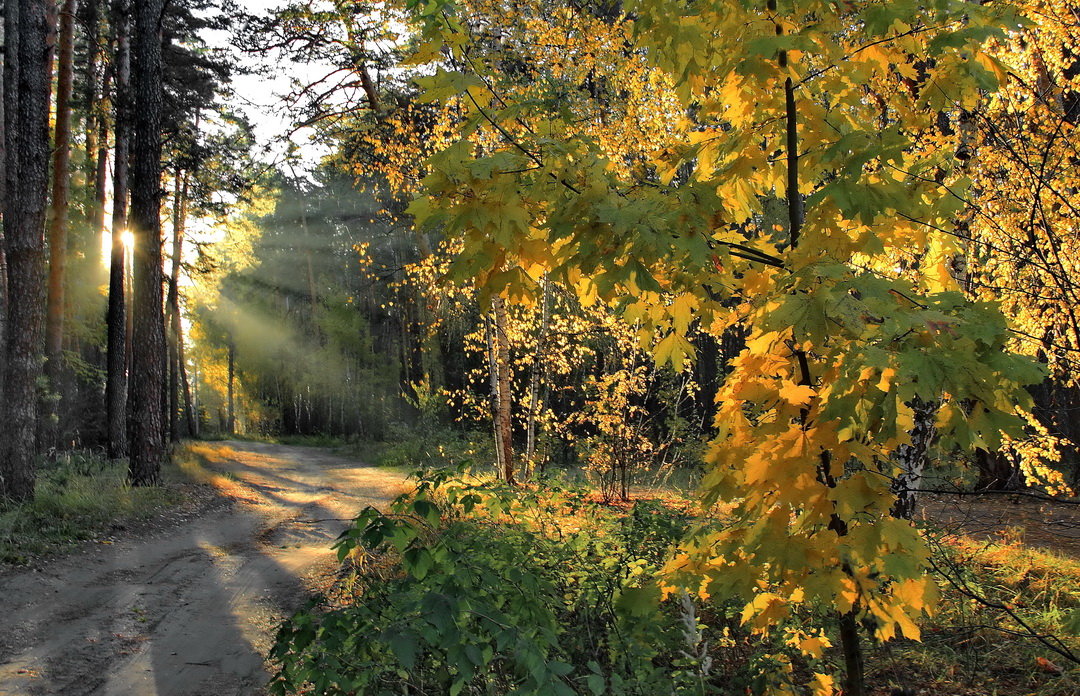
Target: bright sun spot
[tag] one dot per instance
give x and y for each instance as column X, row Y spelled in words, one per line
column 127, row 237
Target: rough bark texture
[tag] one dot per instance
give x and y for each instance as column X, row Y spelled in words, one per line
column 116, row 318
column 49, row 424
column 3, row 206
column 146, row 418
column 89, row 19
column 24, row 223
column 176, row 327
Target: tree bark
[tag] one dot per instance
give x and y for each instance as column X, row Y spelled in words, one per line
column 536, row 376
column 913, row 459
column 230, row 416
column 49, row 423
column 146, row 422
column 27, row 94
column 493, row 384
column 504, row 427
column 173, row 302
column 100, row 149
column 3, row 206
column 189, row 406
column 116, row 318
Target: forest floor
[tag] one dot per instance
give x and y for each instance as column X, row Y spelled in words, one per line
column 1033, row 522
column 188, row 604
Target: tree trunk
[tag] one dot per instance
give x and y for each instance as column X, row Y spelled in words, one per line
column 854, row 682
column 189, row 406
column 912, row 459
column 504, row 427
column 493, row 384
column 27, row 109
column 116, row 318
column 49, row 423
column 3, row 207
column 536, row 376
column 850, row 645
column 996, row 473
column 146, row 422
column 230, row 416
column 173, row 302
column 101, row 170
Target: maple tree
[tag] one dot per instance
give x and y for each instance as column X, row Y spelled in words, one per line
column 797, row 105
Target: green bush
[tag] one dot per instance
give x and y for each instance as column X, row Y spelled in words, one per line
column 479, row 589
column 431, row 446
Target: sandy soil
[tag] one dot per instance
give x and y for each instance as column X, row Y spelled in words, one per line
column 189, row 606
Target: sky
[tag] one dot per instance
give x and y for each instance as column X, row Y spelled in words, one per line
column 261, row 96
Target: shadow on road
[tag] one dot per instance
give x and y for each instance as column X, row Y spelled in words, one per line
column 189, row 609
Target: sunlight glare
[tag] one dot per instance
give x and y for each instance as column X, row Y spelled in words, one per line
column 127, row 238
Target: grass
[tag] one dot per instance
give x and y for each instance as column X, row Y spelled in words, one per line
column 79, row 496
column 1006, row 608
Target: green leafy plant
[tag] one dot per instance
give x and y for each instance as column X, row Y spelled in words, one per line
column 473, row 587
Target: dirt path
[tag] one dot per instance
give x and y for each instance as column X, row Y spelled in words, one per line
column 190, row 608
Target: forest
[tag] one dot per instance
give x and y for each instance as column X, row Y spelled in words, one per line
column 542, row 347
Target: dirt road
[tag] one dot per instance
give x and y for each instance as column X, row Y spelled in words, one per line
column 188, row 608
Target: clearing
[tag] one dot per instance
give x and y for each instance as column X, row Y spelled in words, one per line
column 189, row 606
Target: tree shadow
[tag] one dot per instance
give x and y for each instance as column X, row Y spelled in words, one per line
column 190, row 610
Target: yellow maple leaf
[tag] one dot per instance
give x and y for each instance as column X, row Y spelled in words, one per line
column 823, row 685
column 797, row 394
column 887, row 376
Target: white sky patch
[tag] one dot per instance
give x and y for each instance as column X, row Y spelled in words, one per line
column 263, row 96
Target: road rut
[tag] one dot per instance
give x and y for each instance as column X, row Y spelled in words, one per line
column 190, row 609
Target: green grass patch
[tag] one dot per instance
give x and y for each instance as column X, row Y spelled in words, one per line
column 79, row 496
column 1006, row 612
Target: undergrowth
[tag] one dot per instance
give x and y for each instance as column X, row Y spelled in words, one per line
column 79, row 496
column 469, row 587
column 1008, row 619
column 474, row 588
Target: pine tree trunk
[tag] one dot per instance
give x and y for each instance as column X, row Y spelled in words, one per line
column 146, row 418
column 27, row 101
column 89, row 17
column 173, row 302
column 116, row 318
column 49, row 423
column 189, row 406
column 100, row 148
column 3, row 207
